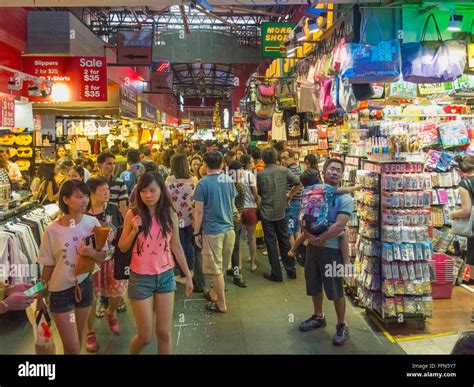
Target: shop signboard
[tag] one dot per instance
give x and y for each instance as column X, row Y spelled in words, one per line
column 273, row 38
column 161, row 83
column 7, row 110
column 464, row 86
column 75, row 79
column 128, row 102
column 434, row 88
column 147, row 111
column 135, row 48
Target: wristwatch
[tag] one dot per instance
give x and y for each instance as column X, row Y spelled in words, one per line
column 195, row 235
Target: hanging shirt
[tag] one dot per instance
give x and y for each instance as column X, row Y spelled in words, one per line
column 278, row 126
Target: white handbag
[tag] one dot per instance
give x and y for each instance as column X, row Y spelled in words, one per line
column 464, row 227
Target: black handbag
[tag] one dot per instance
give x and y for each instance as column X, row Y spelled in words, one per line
column 122, row 260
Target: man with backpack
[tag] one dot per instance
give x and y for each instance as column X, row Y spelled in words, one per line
column 135, row 168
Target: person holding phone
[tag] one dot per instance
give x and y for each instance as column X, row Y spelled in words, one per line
column 152, row 232
column 14, row 297
column 62, row 243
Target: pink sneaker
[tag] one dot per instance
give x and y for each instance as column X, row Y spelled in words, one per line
column 91, row 343
column 114, row 324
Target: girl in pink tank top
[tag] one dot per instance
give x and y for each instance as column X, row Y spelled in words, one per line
column 153, row 236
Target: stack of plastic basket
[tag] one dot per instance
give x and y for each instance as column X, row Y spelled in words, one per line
column 443, row 265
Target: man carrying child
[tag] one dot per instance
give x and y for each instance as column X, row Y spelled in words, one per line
column 323, row 250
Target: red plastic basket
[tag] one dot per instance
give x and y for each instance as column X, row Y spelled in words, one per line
column 443, row 286
column 441, row 290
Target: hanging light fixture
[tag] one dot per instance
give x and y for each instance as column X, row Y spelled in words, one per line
column 313, row 26
column 290, row 47
column 455, row 22
column 300, row 34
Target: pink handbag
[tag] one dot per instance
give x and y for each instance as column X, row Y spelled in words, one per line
column 266, row 90
column 326, row 101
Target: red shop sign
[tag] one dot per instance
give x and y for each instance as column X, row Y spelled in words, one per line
column 7, row 110
column 76, row 79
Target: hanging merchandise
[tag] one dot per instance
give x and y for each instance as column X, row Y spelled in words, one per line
column 306, row 100
column 363, row 91
column 278, row 126
column 400, row 90
column 262, row 124
column 346, row 97
column 90, row 128
column 468, row 38
column 286, row 95
column 294, row 124
column 433, row 62
column 325, row 100
column 263, row 111
column 365, row 63
column 453, row 134
column 266, row 94
column 104, row 128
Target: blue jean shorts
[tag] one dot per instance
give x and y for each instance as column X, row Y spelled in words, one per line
column 143, row 286
column 65, row 300
column 292, row 217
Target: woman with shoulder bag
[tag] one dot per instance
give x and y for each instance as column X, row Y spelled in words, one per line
column 154, row 235
column 466, row 192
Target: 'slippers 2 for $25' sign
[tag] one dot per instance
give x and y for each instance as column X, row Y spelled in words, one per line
column 76, row 79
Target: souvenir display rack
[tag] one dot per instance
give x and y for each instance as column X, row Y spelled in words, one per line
column 394, row 246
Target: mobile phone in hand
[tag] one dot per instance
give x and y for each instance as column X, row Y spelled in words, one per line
column 34, row 289
column 90, row 241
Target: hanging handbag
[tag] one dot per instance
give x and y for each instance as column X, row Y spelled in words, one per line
column 266, row 100
column 325, row 100
column 467, row 37
column 306, row 102
column 286, row 95
column 263, row 111
column 266, row 90
column 465, row 227
column 122, row 261
column 366, row 63
column 434, row 61
column 347, row 99
column 262, row 124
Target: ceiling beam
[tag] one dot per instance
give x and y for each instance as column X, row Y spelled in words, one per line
column 185, row 19
column 210, row 14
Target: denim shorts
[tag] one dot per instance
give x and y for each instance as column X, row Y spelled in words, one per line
column 292, row 217
column 143, row 286
column 65, row 300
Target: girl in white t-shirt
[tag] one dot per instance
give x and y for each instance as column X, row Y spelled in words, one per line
column 63, row 241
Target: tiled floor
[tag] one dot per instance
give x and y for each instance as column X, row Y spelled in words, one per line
column 262, row 319
column 433, row 346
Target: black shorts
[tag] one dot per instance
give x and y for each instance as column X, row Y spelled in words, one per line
column 321, row 270
column 65, row 300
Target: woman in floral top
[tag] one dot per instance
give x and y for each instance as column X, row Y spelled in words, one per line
column 181, row 185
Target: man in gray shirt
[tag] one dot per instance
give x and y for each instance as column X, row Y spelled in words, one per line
column 272, row 183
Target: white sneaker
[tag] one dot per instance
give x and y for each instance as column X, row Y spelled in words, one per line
column 265, row 252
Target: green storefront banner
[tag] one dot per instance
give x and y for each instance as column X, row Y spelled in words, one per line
column 273, row 39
